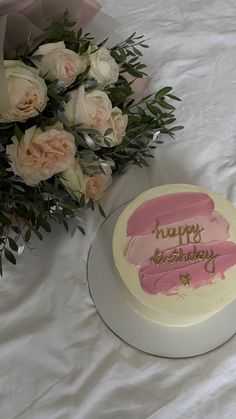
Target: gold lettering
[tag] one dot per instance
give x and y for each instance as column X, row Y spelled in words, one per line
column 181, row 233
column 162, row 234
column 179, row 256
column 211, row 261
column 201, row 255
column 171, row 232
column 188, row 233
column 197, row 234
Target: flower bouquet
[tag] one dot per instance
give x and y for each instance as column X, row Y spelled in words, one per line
column 73, row 122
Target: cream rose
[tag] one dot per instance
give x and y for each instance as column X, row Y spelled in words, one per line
column 90, row 109
column 118, row 123
column 103, row 67
column 40, row 155
column 96, row 185
column 76, row 183
column 60, row 63
column 27, row 91
column 73, row 180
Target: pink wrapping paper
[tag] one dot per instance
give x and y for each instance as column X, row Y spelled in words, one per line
column 34, row 17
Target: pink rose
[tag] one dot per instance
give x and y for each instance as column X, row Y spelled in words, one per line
column 27, row 91
column 95, row 185
column 40, row 155
column 59, row 62
column 76, row 183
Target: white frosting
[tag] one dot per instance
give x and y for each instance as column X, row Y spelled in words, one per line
column 191, row 305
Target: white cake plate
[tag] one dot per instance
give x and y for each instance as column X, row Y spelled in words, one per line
column 108, row 293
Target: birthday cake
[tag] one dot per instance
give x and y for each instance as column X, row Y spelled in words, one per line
column 174, row 247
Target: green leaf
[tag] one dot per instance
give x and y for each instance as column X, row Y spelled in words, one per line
column 143, row 162
column 81, row 229
column 6, row 126
column 107, row 142
column 132, row 71
column 140, row 66
column 101, row 211
column 162, row 92
column 137, row 52
column 18, row 133
column 28, row 235
column 66, row 226
column 177, row 128
column 16, row 229
column 166, row 105
column 84, row 48
column 153, row 109
column 91, row 204
column 5, row 221
column 132, row 36
column 9, row 256
column 18, row 188
column 169, row 121
column 82, row 201
column 108, row 131
column 174, row 97
column 46, row 226
column 12, row 244
column 133, row 60
column 32, row 216
column 79, row 33
column 38, row 234
column 102, row 43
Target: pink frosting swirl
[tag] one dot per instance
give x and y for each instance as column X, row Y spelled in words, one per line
column 158, row 226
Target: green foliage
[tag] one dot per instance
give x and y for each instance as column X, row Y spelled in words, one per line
column 27, row 212
column 120, row 92
column 151, row 114
column 73, row 39
column 25, row 218
column 127, row 54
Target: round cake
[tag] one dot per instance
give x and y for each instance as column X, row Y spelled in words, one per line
column 174, row 247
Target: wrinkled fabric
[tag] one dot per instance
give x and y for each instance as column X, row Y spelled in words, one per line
column 58, row 360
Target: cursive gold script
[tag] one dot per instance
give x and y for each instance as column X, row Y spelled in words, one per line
column 179, row 256
column 188, row 233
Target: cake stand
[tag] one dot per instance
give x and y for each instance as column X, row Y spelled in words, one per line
column 109, row 295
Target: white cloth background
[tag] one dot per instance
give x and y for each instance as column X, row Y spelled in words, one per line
column 58, row 360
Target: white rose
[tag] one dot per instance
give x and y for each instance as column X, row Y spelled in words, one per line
column 118, row 123
column 103, row 67
column 60, row 63
column 41, row 154
column 73, row 180
column 90, row 109
column 27, row 91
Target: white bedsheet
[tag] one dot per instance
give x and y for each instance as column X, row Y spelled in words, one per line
column 58, row 360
